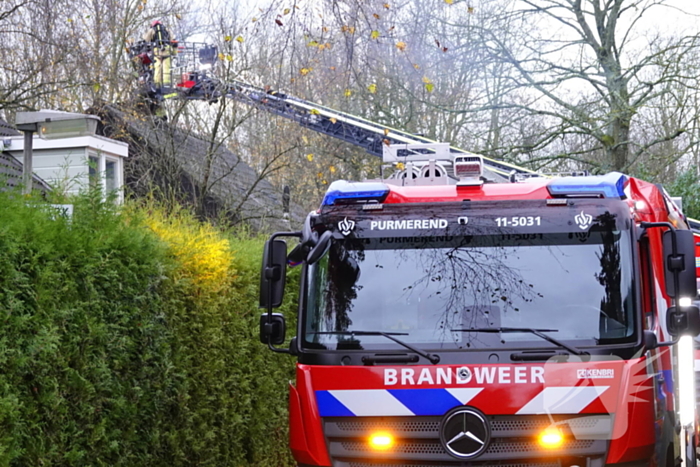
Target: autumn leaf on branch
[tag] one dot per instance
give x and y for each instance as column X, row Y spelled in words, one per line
column 401, row 46
column 429, row 86
column 372, row 88
column 240, row 39
column 310, row 157
column 437, row 42
column 348, row 93
column 227, row 39
column 375, row 34
column 279, row 23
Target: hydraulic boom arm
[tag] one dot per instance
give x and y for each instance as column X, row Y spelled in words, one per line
column 191, row 78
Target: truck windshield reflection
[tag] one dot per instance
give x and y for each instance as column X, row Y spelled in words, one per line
column 435, row 289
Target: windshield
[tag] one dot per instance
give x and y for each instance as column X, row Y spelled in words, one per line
column 576, row 285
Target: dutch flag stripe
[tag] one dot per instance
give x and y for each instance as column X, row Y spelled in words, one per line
column 436, row 401
column 464, row 395
column 393, row 402
column 329, row 406
column 425, row 401
column 370, row 402
column 562, row 400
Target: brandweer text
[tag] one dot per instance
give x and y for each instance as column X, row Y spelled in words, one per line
column 464, row 375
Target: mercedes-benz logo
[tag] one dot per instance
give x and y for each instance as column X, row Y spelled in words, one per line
column 465, row 433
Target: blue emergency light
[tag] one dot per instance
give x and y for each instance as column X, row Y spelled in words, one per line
column 342, row 192
column 610, row 185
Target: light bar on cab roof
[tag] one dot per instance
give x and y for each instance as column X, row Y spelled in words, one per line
column 611, row 185
column 342, row 192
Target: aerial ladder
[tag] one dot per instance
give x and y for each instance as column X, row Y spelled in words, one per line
column 192, row 77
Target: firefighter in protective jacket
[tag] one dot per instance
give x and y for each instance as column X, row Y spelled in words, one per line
column 163, row 50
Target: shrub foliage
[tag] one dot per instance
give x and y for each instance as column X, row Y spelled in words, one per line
column 130, row 339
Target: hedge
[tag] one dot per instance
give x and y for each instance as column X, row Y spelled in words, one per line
column 130, row 338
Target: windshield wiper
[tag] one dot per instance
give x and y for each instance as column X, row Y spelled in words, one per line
column 537, row 332
column 434, row 359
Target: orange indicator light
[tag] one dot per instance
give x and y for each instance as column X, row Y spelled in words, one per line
column 551, row 438
column 381, row 441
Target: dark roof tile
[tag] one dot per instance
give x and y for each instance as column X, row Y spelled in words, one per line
column 234, row 186
column 11, row 174
column 7, row 130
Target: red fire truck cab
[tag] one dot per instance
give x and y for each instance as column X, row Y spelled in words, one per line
column 448, row 321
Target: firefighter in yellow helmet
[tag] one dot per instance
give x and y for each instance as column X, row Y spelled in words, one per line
column 163, row 50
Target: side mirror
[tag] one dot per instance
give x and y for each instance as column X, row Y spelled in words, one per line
column 273, row 274
column 685, row 320
column 680, row 268
column 272, row 328
column 650, row 340
column 308, row 236
column 320, row 249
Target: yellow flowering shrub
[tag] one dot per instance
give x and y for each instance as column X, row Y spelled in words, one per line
column 203, row 253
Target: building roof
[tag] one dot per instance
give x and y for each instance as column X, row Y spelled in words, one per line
column 11, row 168
column 7, row 130
column 174, row 162
column 94, row 142
column 11, row 174
column 50, row 115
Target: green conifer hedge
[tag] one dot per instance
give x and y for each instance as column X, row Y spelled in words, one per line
column 110, row 355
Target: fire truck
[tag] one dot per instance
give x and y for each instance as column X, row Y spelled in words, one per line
column 444, row 320
column 695, row 226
